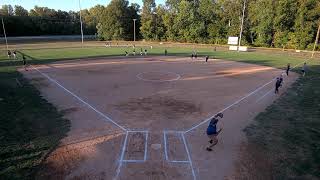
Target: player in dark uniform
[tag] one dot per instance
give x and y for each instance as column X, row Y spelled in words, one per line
column 9, row 54
column 24, row 62
column 303, row 69
column 288, row 69
column 165, row 52
column 278, row 84
column 281, row 80
column 14, row 54
column 207, row 58
column 212, row 131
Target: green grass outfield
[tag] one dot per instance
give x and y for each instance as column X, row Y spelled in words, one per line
column 31, row 127
column 45, row 55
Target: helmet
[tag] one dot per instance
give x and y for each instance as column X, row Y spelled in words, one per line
column 220, row 115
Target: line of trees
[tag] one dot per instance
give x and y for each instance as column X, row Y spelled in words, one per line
column 267, row 23
column 42, row 21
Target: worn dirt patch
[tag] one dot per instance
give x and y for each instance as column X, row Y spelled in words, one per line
column 168, row 107
column 66, row 159
column 158, row 76
column 223, row 73
column 139, row 105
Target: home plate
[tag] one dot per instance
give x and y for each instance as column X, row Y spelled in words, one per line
column 156, row 146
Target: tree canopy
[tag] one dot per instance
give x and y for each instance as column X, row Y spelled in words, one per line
column 267, row 23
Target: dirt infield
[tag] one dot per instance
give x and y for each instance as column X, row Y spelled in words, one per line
column 133, row 118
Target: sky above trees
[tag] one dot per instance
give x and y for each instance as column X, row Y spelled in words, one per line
column 64, row 5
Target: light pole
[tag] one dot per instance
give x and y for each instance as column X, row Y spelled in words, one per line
column 5, row 35
column 156, row 28
column 134, row 30
column 316, row 41
column 241, row 29
column 81, row 23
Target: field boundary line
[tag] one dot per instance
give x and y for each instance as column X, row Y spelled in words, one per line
column 189, row 161
column 231, row 105
column 81, row 100
column 189, row 156
column 121, row 157
column 241, row 99
column 258, row 100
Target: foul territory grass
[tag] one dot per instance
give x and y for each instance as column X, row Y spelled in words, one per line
column 288, row 132
column 31, row 127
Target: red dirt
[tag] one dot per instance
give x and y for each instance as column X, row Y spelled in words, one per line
column 93, row 146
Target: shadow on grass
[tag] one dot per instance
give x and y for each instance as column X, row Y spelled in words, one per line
column 287, row 134
column 30, row 126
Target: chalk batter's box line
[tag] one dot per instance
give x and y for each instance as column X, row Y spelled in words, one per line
column 145, row 148
column 121, row 157
column 189, row 161
column 165, row 132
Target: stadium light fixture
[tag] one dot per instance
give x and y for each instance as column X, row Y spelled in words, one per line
column 134, row 30
column 5, row 35
column 81, row 23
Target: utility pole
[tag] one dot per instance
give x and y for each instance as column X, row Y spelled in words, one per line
column 156, row 28
column 241, row 29
column 5, row 35
column 134, row 30
column 316, row 42
column 81, row 23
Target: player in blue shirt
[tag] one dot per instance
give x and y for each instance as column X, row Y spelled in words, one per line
column 212, row 131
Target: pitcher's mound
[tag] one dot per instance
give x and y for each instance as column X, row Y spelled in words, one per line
column 158, row 76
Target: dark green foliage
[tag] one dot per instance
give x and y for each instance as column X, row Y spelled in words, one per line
column 116, row 22
column 44, row 21
column 267, row 23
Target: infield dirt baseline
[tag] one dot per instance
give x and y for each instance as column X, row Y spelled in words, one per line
column 127, row 131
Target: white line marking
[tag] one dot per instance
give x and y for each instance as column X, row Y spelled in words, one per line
column 251, row 93
column 271, row 90
column 165, row 145
column 121, row 157
column 189, row 157
column 173, row 132
column 178, row 76
column 137, row 131
column 77, row 97
column 146, row 147
column 179, row 161
column 238, row 101
column 133, row 161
